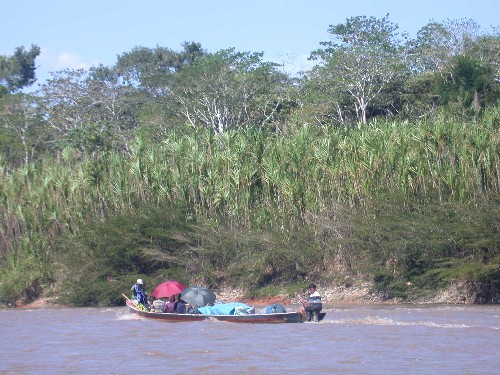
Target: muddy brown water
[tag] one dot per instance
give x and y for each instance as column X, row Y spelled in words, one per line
column 352, row 339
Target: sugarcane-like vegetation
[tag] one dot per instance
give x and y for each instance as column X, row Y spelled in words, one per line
column 409, row 205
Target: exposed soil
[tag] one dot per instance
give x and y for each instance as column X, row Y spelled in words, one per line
column 456, row 293
column 42, row 302
column 353, row 294
column 363, row 293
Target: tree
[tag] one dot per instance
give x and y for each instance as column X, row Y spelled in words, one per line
column 487, row 50
column 437, row 43
column 152, row 72
column 471, row 82
column 22, row 123
column 18, row 71
column 228, row 89
column 153, row 69
column 454, row 62
column 90, row 110
column 362, row 60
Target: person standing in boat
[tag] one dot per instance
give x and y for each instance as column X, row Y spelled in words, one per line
column 313, row 292
column 313, row 304
column 139, row 292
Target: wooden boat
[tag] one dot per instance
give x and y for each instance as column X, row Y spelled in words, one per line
column 288, row 317
column 169, row 317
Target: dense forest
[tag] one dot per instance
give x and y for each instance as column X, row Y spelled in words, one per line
column 379, row 164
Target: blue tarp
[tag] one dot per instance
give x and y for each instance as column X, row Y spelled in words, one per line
column 226, row 309
column 275, row 308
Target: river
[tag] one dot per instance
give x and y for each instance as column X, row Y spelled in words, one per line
column 352, row 339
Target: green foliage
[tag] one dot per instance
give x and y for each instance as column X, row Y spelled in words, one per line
column 471, row 83
column 152, row 69
column 23, row 126
column 205, row 167
column 426, row 246
column 25, row 281
column 251, row 207
column 90, row 110
column 415, row 233
column 389, row 287
column 447, row 270
column 10, row 147
column 360, row 66
column 18, row 71
column 158, row 244
column 453, row 68
column 271, row 257
column 228, row 90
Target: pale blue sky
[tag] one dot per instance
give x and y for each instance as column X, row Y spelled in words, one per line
column 79, row 34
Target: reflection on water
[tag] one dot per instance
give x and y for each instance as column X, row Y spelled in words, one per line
column 352, row 339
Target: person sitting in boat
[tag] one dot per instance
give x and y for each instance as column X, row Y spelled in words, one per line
column 159, row 305
column 139, row 292
column 180, row 305
column 170, row 305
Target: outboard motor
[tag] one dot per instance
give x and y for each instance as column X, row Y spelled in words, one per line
column 313, row 307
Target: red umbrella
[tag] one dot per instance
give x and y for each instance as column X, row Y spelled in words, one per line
column 168, row 288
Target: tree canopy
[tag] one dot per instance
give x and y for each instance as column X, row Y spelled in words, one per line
column 367, row 69
column 361, row 62
column 18, row 71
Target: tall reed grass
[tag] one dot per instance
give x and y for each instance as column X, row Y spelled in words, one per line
column 249, row 177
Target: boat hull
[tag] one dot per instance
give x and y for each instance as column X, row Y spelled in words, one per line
column 170, row 317
column 291, row 317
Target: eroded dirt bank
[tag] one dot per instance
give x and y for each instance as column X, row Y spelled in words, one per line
column 456, row 293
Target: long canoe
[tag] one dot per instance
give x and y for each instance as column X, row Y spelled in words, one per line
column 169, row 317
column 289, row 317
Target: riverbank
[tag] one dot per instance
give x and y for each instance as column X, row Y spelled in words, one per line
column 364, row 293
